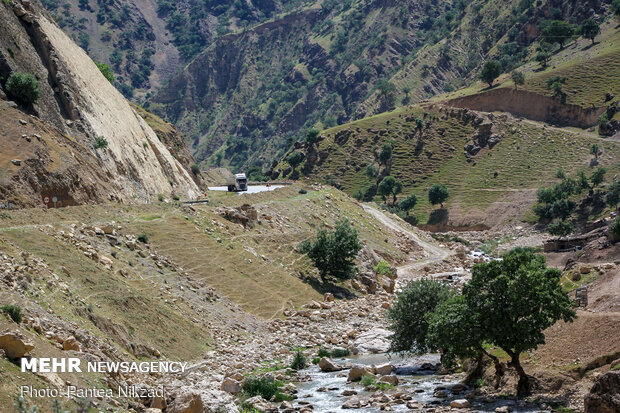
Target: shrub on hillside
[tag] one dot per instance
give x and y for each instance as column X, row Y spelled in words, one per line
column 260, row 386
column 23, row 87
column 299, row 361
column 143, row 238
column 195, row 169
column 13, row 311
column 560, row 228
column 438, row 194
column 101, row 142
column 333, row 253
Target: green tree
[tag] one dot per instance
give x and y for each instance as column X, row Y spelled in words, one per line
column 598, row 176
column 615, row 7
column 386, row 153
column 612, row 198
column 543, row 55
column 589, row 29
column 295, row 159
column 312, row 136
column 390, row 186
column 596, row 151
column 372, row 171
column 518, row 78
column 387, row 94
column 106, row 71
column 560, row 228
column 333, row 253
column 408, row 315
column 491, row 71
column 23, row 87
column 408, row 203
column 438, row 194
column 614, row 227
column 558, row 31
column 513, row 301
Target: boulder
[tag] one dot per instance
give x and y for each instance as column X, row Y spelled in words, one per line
column 187, row 403
column 604, row 397
column 327, row 365
column 384, row 369
column 503, row 409
column 460, row 404
column 329, row 297
column 262, row 405
column 14, row 346
column 71, row 344
column 231, row 386
column 391, row 379
column 357, row 372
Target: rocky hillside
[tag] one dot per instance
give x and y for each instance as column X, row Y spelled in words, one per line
column 148, row 41
column 80, row 140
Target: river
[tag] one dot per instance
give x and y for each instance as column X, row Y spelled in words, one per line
column 324, row 390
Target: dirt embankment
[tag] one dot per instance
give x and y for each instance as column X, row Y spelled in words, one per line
column 530, row 105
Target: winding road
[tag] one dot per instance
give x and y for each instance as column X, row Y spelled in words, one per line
column 433, row 253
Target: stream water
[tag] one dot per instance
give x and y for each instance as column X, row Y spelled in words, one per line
column 324, row 390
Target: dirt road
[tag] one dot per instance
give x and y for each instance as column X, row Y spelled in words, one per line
column 432, row 252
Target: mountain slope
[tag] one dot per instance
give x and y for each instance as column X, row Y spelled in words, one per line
column 78, row 104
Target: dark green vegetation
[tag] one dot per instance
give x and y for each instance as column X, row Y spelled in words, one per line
column 333, row 252
column 262, row 74
column 23, row 87
column 106, row 71
column 300, row 361
column 101, row 142
column 13, row 311
column 572, row 201
column 408, row 315
column 491, row 71
column 507, row 304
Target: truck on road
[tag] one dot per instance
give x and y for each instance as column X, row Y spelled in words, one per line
column 238, row 184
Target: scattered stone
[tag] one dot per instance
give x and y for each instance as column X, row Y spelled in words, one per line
column 14, row 346
column 71, row 344
column 391, row 379
column 231, row 386
column 187, row 403
column 604, row 397
column 357, row 372
column 327, row 365
column 503, row 409
column 16, row 162
column 460, row 403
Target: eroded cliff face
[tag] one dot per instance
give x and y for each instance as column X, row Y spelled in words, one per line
column 81, row 105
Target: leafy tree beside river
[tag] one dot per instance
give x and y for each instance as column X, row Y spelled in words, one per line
column 507, row 304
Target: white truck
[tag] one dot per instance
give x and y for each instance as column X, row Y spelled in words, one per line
column 238, row 184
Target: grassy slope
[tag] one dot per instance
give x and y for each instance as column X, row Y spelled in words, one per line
column 527, row 157
column 591, row 71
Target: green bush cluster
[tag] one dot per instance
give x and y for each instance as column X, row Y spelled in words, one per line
column 23, row 87
column 13, row 311
column 333, row 252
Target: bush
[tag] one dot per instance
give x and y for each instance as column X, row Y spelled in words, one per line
column 560, row 228
column 13, row 311
column 614, row 227
column 195, row 169
column 101, row 142
column 260, row 386
column 382, row 268
column 323, row 352
column 23, row 87
column 143, row 238
column 333, row 252
column 316, row 360
column 368, row 380
column 340, row 352
column 295, row 158
column 303, row 191
column 106, row 71
column 299, row 361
